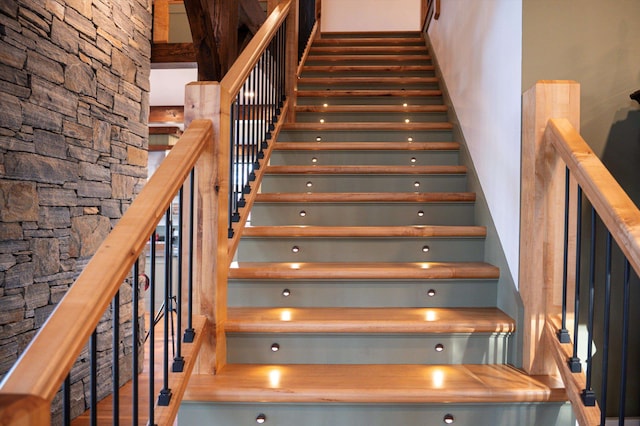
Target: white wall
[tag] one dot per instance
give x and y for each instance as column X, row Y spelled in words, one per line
column 478, row 46
column 370, row 15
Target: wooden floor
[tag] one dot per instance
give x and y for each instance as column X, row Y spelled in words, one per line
column 126, row 392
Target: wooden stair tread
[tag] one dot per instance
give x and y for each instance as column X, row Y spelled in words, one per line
column 333, row 197
column 363, row 270
column 368, row 320
column 364, row 231
column 366, row 169
column 369, row 146
column 371, row 108
column 372, row 125
column 366, row 68
column 369, row 92
column 365, row 48
column 368, row 57
column 381, row 384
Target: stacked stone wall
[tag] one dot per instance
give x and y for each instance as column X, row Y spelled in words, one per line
column 74, row 90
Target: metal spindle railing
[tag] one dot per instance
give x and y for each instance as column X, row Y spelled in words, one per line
column 135, row 342
column 253, row 114
column 115, row 359
column 600, row 311
column 151, row 334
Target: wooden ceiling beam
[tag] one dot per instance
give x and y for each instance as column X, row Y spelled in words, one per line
column 166, row 114
column 172, row 53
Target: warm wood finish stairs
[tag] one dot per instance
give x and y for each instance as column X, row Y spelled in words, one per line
column 360, row 294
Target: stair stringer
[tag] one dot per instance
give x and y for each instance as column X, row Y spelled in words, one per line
column 509, row 299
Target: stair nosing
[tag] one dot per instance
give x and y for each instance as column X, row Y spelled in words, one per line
column 415, row 231
column 382, row 384
column 363, row 270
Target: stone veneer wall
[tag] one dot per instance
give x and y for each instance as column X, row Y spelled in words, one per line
column 74, row 83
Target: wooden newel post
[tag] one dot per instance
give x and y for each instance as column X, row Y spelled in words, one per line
column 292, row 60
column 542, row 214
column 203, row 100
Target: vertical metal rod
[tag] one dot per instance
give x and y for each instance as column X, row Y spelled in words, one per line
column 93, row 343
column 189, row 333
column 625, row 343
column 66, row 401
column 151, row 336
column 178, row 360
column 574, row 361
column 115, row 368
column 135, row 337
column 588, row 396
column 165, row 393
column 606, row 331
column 563, row 333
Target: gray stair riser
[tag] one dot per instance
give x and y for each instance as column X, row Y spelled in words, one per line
column 326, row 60
column 386, row 117
column 368, row 73
column 254, row 249
column 326, row 414
column 363, row 183
column 362, row 214
column 369, row 100
column 352, row 348
column 365, row 136
column 368, row 157
column 363, row 293
column 378, row 85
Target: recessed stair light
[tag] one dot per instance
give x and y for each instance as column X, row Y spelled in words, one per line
column 439, row 347
column 309, row 184
column 449, row 419
column 413, row 160
column 275, row 347
column 416, row 184
column 431, row 292
column 318, row 138
column 409, row 139
column 295, row 249
column 314, row 160
column 261, row 418
column 302, row 213
column 425, row 249
column 420, row 213
column 286, row 292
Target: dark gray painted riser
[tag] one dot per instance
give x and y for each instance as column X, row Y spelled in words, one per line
column 369, row 157
column 364, row 136
column 387, row 117
column 362, row 293
column 369, row 100
column 326, row 414
column 368, row 73
column 353, row 348
column 363, row 183
column 363, row 214
column 389, row 249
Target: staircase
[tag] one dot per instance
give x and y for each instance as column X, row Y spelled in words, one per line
column 360, row 295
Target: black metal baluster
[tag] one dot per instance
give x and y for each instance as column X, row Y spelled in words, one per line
column 189, row 333
column 264, row 59
column 93, row 348
column 574, row 360
column 178, row 360
column 115, row 368
column 135, row 337
column 606, row 330
column 625, row 343
column 66, row 401
column 272, row 87
column 588, row 396
column 165, row 393
column 563, row 333
column 151, row 335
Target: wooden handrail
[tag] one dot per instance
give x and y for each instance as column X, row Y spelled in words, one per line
column 45, row 363
column 238, row 73
column 617, row 211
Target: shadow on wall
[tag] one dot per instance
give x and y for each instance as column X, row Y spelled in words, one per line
column 622, row 151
